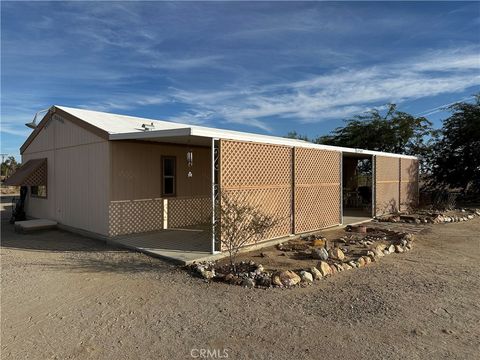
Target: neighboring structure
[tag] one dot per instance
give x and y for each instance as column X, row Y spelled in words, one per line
column 112, row 175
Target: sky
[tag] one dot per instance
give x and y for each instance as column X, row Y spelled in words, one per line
column 264, row 67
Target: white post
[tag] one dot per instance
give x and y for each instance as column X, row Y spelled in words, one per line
column 213, row 196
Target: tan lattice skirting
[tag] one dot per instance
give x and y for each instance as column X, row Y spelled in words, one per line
column 135, row 216
column 409, row 183
column 183, row 212
column 317, row 189
column 387, row 184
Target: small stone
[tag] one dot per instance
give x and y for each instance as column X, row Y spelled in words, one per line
column 352, row 263
column 337, row 254
column 260, row 269
column 409, row 246
column 367, row 259
column 470, row 217
column 334, row 269
column 360, row 262
column 324, row 268
column 276, row 280
column 320, row 254
column 391, row 249
column 419, row 332
column 264, row 280
column 248, row 283
column 378, row 253
column 206, row 274
column 409, row 237
column 347, row 267
column 306, row 276
column 447, row 331
column 318, row 242
column 398, row 249
column 317, row 275
column 230, row 278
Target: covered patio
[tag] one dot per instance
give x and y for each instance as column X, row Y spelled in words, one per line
column 182, row 246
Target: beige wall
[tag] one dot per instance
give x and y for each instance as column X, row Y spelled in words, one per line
column 136, row 170
column 78, row 176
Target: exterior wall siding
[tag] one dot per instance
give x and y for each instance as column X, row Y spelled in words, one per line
column 317, row 189
column 136, row 187
column 387, row 184
column 78, row 164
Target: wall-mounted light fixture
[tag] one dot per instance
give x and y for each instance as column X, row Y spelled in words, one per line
column 190, row 158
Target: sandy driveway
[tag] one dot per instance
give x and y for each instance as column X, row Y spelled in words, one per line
column 69, row 297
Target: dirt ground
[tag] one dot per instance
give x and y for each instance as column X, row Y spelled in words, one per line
column 68, row 297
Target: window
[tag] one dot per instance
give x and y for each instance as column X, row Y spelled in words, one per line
column 39, row 191
column 168, row 176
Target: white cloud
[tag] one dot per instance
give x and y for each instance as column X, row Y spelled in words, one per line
column 341, row 94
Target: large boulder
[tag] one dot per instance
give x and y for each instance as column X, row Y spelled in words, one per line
column 324, row 268
column 337, row 254
column 320, row 254
column 286, row 278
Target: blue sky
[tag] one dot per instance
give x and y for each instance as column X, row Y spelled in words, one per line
column 260, row 67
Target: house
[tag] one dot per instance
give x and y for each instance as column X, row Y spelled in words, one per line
column 111, row 175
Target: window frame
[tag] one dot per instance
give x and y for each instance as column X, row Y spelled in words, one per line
column 36, row 195
column 174, row 176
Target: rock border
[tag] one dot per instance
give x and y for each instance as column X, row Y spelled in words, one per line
column 252, row 275
column 431, row 217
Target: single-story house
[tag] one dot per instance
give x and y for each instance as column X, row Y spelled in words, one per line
column 110, row 175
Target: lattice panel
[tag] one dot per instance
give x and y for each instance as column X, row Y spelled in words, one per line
column 317, row 189
column 316, row 207
column 313, row 166
column 409, row 183
column 387, row 184
column 38, row 177
column 189, row 211
column 127, row 217
column 245, row 164
column 274, row 201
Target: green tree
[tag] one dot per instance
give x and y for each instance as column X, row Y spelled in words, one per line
column 456, row 156
column 395, row 131
column 9, row 166
column 294, row 135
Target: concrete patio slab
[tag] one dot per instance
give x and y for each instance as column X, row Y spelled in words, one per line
column 33, row 225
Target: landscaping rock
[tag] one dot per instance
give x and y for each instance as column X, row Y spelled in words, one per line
column 324, row 268
column 391, row 249
column 260, row 269
column 306, row 277
column 289, row 278
column 276, row 280
column 248, row 283
column 360, row 262
column 347, row 267
column 337, row 254
column 317, row 275
column 333, row 268
column 208, row 274
column 318, row 242
column 398, row 249
column 320, row 254
column 264, row 280
column 352, row 263
column 367, row 260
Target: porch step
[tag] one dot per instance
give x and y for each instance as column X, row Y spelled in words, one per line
column 33, row 225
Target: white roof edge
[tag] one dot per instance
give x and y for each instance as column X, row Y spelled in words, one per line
column 249, row 137
column 151, row 134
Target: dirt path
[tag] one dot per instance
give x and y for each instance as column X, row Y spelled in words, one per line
column 69, row 297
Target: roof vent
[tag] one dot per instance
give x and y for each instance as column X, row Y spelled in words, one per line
column 147, row 127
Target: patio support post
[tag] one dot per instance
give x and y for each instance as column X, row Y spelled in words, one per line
column 215, row 155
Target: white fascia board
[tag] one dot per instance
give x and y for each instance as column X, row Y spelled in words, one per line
column 239, row 136
column 151, row 134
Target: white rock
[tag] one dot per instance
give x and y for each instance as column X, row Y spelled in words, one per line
column 306, row 276
column 317, row 275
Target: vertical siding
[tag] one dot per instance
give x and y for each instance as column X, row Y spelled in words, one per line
column 78, row 176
